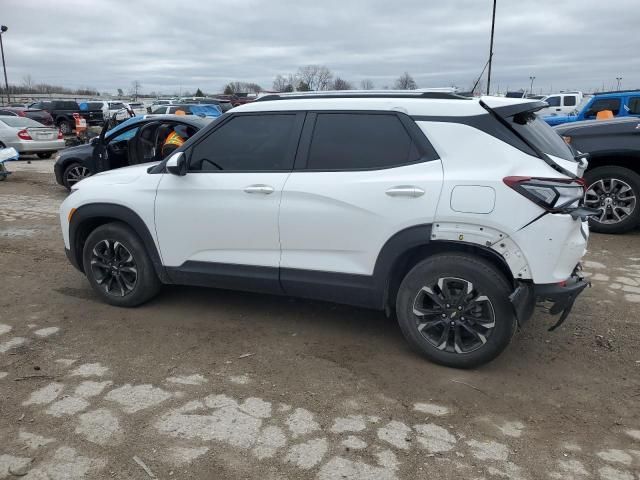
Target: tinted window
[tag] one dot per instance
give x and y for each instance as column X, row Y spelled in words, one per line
column 65, row 105
column 7, row 112
column 539, row 134
column 185, row 108
column 160, row 110
column 569, row 101
column 553, row 101
column 601, row 104
column 116, row 105
column 634, row 105
column 344, row 141
column 251, row 142
column 95, row 105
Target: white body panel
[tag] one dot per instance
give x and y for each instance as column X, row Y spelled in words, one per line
column 562, row 103
column 339, row 221
column 209, row 217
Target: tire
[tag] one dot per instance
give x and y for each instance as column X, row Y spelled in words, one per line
column 73, row 173
column 486, row 296
column 616, row 192
column 44, row 155
column 65, row 127
column 118, row 266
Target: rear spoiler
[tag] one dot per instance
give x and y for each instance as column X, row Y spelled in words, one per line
column 504, row 112
column 511, row 110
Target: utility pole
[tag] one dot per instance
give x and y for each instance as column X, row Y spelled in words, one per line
column 531, row 87
column 619, row 79
column 3, row 29
column 493, row 24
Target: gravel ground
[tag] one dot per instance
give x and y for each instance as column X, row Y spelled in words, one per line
column 214, row 384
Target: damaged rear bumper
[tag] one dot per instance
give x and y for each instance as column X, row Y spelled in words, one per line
column 561, row 295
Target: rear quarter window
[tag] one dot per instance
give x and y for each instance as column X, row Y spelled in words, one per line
column 602, row 104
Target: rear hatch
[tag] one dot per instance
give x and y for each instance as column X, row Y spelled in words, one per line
column 519, row 116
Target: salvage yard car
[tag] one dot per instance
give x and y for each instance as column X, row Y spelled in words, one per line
column 620, row 104
column 28, row 136
column 137, row 140
column 613, row 176
column 455, row 213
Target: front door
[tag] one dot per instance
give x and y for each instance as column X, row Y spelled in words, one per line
column 223, row 214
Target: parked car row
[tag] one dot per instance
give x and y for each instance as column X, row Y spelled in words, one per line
column 29, row 136
column 619, row 104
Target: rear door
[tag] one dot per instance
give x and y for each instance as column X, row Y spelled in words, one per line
column 360, row 178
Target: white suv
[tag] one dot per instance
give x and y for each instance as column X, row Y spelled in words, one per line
column 455, row 214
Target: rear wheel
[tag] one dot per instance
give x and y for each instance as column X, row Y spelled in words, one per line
column 73, row 173
column 615, row 192
column 118, row 267
column 455, row 310
column 65, row 127
column 45, row 154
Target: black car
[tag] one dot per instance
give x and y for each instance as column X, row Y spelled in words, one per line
column 137, row 140
column 613, row 175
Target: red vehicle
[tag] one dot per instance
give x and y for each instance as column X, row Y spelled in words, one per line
column 36, row 114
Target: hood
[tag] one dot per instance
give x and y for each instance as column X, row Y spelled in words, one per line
column 119, row 176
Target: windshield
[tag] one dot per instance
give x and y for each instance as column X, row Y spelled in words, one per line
column 539, row 134
column 122, row 126
column 20, row 122
column 114, row 105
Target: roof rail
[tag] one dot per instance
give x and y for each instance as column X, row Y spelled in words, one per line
column 362, row 94
column 617, row 91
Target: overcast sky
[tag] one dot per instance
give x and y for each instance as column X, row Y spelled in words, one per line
column 172, row 45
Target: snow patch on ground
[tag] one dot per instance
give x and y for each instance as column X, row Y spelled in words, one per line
column 195, row 379
column 431, row 409
column 133, row 398
column 90, row 370
column 435, row 438
column 99, row 426
column 46, row 332
column 396, row 433
column 4, row 328
column 12, row 343
column 308, row 454
column 44, row 395
column 89, row 388
column 67, row 406
column 33, row 440
column 352, row 423
column 489, row 450
column 613, row 455
column 301, row 422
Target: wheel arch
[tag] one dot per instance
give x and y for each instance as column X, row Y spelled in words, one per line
column 89, row 217
column 625, row 159
column 412, row 245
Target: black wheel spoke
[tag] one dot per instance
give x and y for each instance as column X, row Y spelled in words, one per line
column 453, row 316
column 114, row 267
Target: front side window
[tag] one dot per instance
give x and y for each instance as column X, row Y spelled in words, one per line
column 346, row 141
column 602, row 104
column 634, row 105
column 159, row 110
column 570, row 101
column 247, row 143
column 553, row 101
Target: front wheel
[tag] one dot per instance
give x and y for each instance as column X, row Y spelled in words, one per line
column 118, row 266
column 73, row 173
column 455, row 310
column 615, row 192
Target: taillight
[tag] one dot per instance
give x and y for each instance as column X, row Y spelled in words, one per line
column 552, row 194
column 60, row 137
column 24, row 135
column 21, row 113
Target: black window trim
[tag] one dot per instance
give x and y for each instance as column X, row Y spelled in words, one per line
column 425, row 148
column 291, row 148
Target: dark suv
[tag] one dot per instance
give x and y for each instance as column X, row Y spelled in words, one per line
column 62, row 112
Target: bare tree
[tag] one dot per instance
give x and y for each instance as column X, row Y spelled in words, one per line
column 27, row 81
column 316, row 77
column 405, row 82
column 341, row 84
column 367, row 84
column 242, row 87
column 136, row 86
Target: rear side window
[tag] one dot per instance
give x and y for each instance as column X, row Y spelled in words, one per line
column 539, row 134
column 634, row 105
column 601, row 104
column 351, row 141
column 553, row 101
column 569, row 101
column 184, row 108
column 65, row 105
column 247, row 143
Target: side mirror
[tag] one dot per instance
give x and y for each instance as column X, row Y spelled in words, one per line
column 176, row 164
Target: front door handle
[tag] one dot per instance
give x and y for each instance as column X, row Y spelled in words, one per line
column 259, row 188
column 405, row 191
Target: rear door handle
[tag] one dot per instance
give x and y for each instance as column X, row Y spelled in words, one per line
column 259, row 188
column 405, row 191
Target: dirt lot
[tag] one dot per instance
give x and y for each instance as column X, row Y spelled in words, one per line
column 214, row 384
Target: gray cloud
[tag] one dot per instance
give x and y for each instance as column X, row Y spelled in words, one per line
column 167, row 45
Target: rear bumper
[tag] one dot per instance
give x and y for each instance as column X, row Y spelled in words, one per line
column 562, row 297
column 33, row 146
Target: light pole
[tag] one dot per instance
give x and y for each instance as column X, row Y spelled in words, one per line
column 493, row 24
column 531, row 87
column 3, row 29
column 619, row 79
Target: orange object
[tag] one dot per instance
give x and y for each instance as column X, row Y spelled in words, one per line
column 81, row 123
column 604, row 115
column 180, row 112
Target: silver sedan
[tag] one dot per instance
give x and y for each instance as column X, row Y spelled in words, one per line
column 29, row 136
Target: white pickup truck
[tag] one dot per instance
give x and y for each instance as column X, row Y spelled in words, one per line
column 561, row 103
